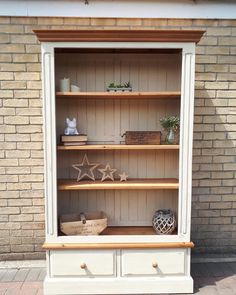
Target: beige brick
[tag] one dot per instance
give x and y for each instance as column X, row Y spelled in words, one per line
column 21, row 217
column 203, row 127
column 6, row 76
column 205, row 94
column 205, row 76
column 15, row 241
column 12, row 67
column 10, row 194
column 211, row 167
column 129, row 22
column 50, row 21
column 17, row 170
column 11, row 29
column 232, row 68
column 230, row 166
column 217, row 68
column 77, row 21
column 25, row 39
column 217, row 50
column 223, row 143
column 38, row 202
column 4, row 39
column 4, row 20
column 3, row 203
column 36, row 137
column 39, row 217
column 229, row 182
column 22, row 248
column 27, row 57
column 8, row 178
column 29, row 145
column 231, row 119
column 17, row 154
column 31, row 162
column 9, row 210
column 27, row 76
column 7, row 111
column 232, row 85
column 29, row 129
column 226, row 59
column 37, row 185
column 17, row 137
column 206, row 59
column 205, row 40
column 103, row 22
column 35, row 225
column 217, row 85
column 209, row 213
column 36, row 154
column 29, row 111
column 5, row 57
column 154, row 22
column 18, row 186
column 36, row 120
column 214, row 136
column 34, row 85
column 226, row 77
column 8, row 162
column 16, row 120
column 226, row 94
column 32, row 194
column 31, row 178
column 227, row 41
column 33, row 67
column 20, row 202
column 218, row 31
column 26, row 93
column 6, row 94
column 220, row 220
column 12, row 48
column 13, row 85
column 35, row 209
column 15, row 102
column 23, row 20
column 33, row 48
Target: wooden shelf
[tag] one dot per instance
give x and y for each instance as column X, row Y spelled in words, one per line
column 118, row 147
column 164, row 183
column 128, row 230
column 70, row 246
column 120, row 95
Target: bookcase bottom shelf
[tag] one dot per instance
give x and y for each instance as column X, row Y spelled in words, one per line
column 130, row 230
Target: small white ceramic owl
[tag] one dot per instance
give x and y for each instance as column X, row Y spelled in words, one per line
column 71, row 127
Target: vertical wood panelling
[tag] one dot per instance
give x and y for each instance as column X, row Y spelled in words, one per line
column 104, row 121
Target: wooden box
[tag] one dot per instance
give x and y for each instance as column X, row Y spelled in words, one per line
column 142, row 137
column 91, row 223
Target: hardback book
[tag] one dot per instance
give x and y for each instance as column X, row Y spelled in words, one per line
column 74, row 143
column 72, row 138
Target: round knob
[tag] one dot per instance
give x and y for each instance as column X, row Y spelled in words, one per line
column 83, row 266
column 154, row 265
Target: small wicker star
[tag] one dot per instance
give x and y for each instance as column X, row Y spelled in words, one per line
column 85, row 169
column 123, row 176
column 107, row 172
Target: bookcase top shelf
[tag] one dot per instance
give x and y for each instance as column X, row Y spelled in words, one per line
column 118, row 147
column 160, row 183
column 120, row 95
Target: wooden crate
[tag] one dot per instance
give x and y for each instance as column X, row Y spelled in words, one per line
column 142, row 137
column 91, row 223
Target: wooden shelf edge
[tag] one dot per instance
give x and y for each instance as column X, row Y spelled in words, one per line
column 119, row 35
column 73, row 246
column 118, row 185
column 62, row 147
column 121, row 95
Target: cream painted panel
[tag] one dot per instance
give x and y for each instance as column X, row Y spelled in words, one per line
column 68, row 263
column 140, row 262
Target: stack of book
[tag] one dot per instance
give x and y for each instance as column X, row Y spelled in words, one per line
column 80, row 139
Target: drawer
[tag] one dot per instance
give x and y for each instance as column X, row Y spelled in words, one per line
column 82, row 263
column 153, row 262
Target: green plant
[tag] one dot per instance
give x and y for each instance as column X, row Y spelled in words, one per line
column 171, row 122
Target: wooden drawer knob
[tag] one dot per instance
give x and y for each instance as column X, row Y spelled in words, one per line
column 155, row 265
column 83, row 266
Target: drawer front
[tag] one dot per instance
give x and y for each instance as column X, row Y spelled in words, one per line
column 82, row 263
column 153, row 262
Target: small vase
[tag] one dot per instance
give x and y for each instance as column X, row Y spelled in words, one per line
column 170, row 137
column 164, row 222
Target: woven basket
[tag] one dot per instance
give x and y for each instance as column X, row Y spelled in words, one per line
column 91, row 223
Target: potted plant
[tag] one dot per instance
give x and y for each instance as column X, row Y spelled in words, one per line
column 119, row 87
column 170, row 125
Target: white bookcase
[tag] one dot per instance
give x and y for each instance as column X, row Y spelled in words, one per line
column 129, row 257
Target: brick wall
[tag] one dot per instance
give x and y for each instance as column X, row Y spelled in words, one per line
column 21, row 153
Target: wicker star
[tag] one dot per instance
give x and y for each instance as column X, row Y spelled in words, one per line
column 107, row 172
column 85, row 169
column 123, row 176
